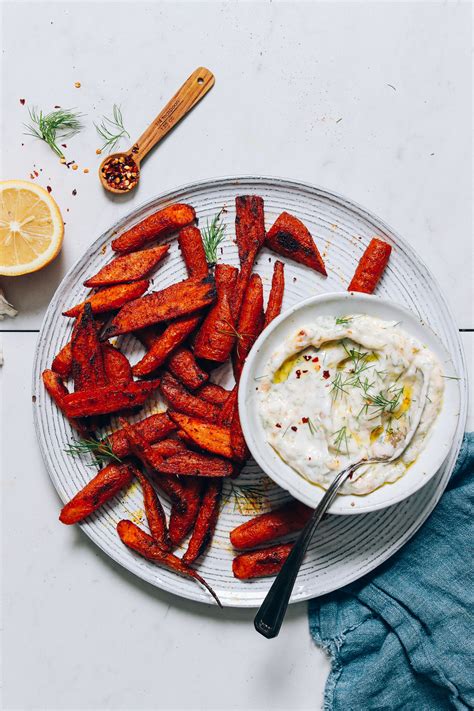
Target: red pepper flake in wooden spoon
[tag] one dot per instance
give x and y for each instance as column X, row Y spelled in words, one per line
column 120, row 172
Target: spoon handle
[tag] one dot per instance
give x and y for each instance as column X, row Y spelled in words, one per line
column 192, row 91
column 269, row 618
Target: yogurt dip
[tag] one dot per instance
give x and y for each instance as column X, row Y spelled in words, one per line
column 343, row 389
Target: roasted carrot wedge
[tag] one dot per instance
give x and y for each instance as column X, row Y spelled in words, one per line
column 105, row 485
column 205, row 522
column 170, row 219
column 111, row 299
column 165, row 344
column 181, row 522
column 371, row 267
column 176, row 300
column 144, row 545
column 250, row 323
column 191, row 463
column 173, row 488
column 275, row 298
column 249, row 225
column 58, row 392
column 110, row 398
column 183, row 365
column 260, row 564
column 290, row 238
column 216, row 337
column 269, row 527
column 130, row 267
column 169, row 447
column 192, row 249
column 227, row 412
column 147, row 336
column 213, row 393
column 88, row 369
column 226, row 278
column 211, row 437
column 237, row 439
column 62, row 361
column 183, row 401
column 152, row 429
column 117, row 366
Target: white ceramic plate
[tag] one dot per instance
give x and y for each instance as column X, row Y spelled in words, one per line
column 343, row 304
column 347, row 547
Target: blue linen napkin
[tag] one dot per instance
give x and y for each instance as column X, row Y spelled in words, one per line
column 402, row 637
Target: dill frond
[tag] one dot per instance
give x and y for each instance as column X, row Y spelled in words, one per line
column 212, row 236
column 100, row 449
column 112, row 130
column 53, row 127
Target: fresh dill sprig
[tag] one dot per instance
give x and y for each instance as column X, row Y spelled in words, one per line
column 343, row 320
column 100, row 449
column 338, row 386
column 341, row 439
column 112, row 130
column 53, row 127
column 311, row 426
column 384, row 404
column 246, row 497
column 212, row 236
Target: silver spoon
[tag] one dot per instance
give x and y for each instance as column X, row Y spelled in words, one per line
column 271, row 613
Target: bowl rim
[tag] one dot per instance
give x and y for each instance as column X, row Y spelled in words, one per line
column 294, row 483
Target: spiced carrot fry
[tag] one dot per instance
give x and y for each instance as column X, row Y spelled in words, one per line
column 237, row 439
column 58, row 391
column 152, row 428
column 291, row 238
column 162, row 346
column 104, row 486
column 168, row 447
column 371, row 267
column 154, row 512
column 170, row 219
column 183, row 401
column 206, row 435
column 205, row 522
column 191, row 463
column 129, row 267
column 250, row 323
column 144, row 545
column 173, row 488
column 147, row 336
column 111, row 298
column 183, row 365
column 117, row 366
column 181, row 522
column 182, row 298
column 262, row 563
column 241, row 285
column 110, row 398
column 88, row 369
column 226, row 278
column 275, row 298
column 62, row 361
column 269, row 527
column 192, row 249
column 216, row 337
column 227, row 412
column 249, row 225
column 213, row 393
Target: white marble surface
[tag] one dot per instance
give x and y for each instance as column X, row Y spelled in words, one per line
column 302, row 91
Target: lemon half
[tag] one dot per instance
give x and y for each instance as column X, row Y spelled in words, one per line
column 31, row 228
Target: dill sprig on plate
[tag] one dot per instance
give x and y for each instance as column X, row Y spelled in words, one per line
column 112, row 130
column 100, row 449
column 247, row 498
column 341, row 439
column 343, row 320
column 212, row 235
column 53, row 127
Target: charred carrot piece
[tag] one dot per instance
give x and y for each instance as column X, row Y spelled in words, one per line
column 206, row 435
column 269, row 527
column 250, row 323
column 249, row 225
column 191, row 463
column 292, row 239
column 111, row 299
column 181, row 522
column 152, row 429
column 110, row 398
column 147, row 336
column 62, row 361
column 88, row 369
column 262, row 563
column 154, row 512
column 165, row 344
column 144, row 545
column 170, row 219
column 275, row 298
column 176, row 300
column 237, row 439
column 117, row 366
column 205, row 522
column 183, row 401
column 183, row 365
column 169, row 447
column 216, row 337
column 130, row 267
column 226, row 278
column 192, row 249
column 371, row 267
column 228, row 409
column 173, row 488
column 213, row 393
column 103, row 487
column 58, row 392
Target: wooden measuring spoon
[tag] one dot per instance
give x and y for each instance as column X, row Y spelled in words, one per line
column 120, row 172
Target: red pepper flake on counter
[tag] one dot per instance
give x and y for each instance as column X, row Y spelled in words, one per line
column 316, row 360
column 295, row 429
column 326, row 374
column 121, row 172
column 298, row 374
column 305, row 420
column 49, row 188
column 307, row 357
column 74, row 192
column 277, row 424
column 22, row 102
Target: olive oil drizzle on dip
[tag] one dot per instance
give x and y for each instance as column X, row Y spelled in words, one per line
column 346, row 388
